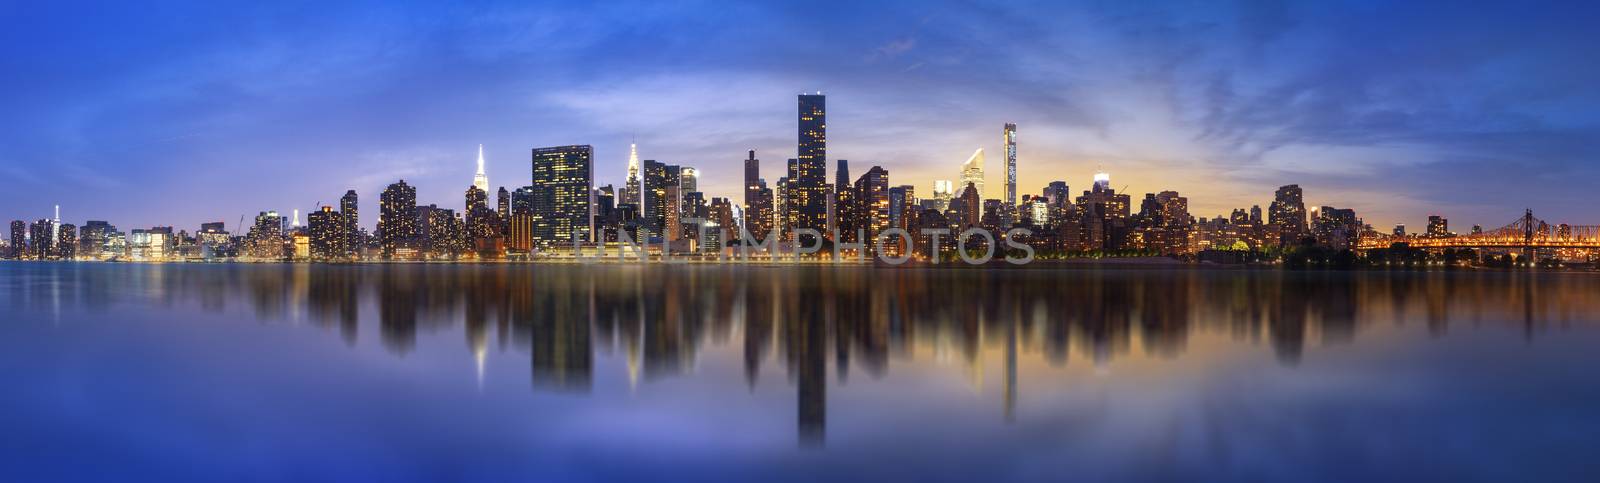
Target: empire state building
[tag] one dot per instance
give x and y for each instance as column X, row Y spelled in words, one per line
column 480, row 180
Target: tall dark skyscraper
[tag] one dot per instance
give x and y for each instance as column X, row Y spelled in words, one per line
column 567, row 172
column 503, row 207
column 397, row 217
column 654, row 196
column 752, row 179
column 841, row 207
column 1011, row 164
column 349, row 211
column 807, row 200
column 19, row 239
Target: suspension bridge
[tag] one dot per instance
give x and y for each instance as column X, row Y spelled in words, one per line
column 1526, row 233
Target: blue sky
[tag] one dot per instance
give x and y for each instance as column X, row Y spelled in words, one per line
column 182, row 113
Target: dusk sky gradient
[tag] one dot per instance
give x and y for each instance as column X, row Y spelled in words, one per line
column 175, row 114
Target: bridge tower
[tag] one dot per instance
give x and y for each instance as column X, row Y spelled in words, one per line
column 1527, row 234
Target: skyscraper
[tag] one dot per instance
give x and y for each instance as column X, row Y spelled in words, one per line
column 348, row 213
column 397, row 217
column 328, row 237
column 654, row 196
column 808, row 184
column 1057, row 194
column 19, row 239
column 688, row 180
column 66, row 241
column 902, row 200
column 752, row 180
column 871, row 202
column 943, row 192
column 1288, row 213
column 1102, row 181
column 1010, row 137
column 41, row 239
column 972, row 172
column 503, row 204
column 631, row 189
column 480, row 180
column 841, row 208
column 568, row 172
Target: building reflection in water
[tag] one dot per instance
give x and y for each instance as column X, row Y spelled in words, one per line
column 660, row 317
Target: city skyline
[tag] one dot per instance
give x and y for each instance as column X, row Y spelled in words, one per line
column 1228, row 103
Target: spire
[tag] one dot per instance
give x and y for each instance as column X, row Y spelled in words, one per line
column 481, row 180
column 633, row 160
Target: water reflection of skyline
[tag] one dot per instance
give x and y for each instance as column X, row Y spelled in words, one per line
column 814, row 323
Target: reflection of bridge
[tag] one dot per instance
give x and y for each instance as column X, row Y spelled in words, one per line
column 1524, row 233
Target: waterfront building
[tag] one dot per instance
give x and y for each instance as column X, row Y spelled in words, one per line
column 1287, row 214
column 1438, row 227
column 397, row 218
column 807, row 197
column 567, row 172
column 349, row 213
column 19, row 239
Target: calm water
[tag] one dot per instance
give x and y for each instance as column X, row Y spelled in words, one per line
column 562, row 373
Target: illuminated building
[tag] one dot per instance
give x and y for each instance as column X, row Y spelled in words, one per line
column 672, row 212
column 92, row 238
column 480, row 180
column 902, row 206
column 1400, row 230
column 752, row 182
column 630, row 189
column 440, row 233
column 1102, row 181
column 482, row 223
column 1010, row 139
column 1288, row 213
column 1336, row 228
column 966, row 210
column 807, row 198
column 503, row 207
column 1438, row 227
column 605, row 213
column 41, row 239
column 301, row 243
column 1103, row 216
column 567, row 172
column 843, row 215
column 758, row 201
column 19, row 239
column 871, row 202
column 721, row 212
column 972, row 172
column 327, row 234
column 477, row 201
column 943, row 192
column 265, row 240
column 66, row 241
column 397, row 218
column 521, row 239
column 657, row 177
column 349, row 211
column 688, row 179
column 1057, row 194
